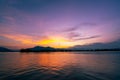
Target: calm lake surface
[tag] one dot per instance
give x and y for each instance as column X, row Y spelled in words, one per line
column 60, row 66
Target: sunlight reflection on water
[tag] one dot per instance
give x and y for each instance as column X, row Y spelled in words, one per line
column 60, row 66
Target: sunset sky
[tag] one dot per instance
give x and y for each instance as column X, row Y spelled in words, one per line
column 58, row 23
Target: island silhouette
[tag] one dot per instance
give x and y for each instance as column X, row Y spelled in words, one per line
column 111, row 46
column 50, row 49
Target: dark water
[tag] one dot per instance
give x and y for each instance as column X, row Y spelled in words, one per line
column 60, row 66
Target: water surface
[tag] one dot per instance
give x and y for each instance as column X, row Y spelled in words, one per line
column 60, row 66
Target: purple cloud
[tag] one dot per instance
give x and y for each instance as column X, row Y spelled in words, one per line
column 90, row 37
column 79, row 26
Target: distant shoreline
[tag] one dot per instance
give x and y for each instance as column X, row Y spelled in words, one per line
column 62, row 51
column 97, row 50
column 50, row 49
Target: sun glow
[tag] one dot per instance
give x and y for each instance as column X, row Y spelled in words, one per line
column 52, row 41
column 57, row 42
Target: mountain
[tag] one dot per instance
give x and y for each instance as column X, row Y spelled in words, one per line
column 37, row 49
column 3, row 49
column 110, row 45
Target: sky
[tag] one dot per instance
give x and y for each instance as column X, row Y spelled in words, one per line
column 58, row 23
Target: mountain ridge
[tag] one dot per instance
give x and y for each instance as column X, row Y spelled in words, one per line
column 3, row 49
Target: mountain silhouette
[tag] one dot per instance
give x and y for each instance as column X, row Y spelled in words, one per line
column 3, row 49
column 38, row 49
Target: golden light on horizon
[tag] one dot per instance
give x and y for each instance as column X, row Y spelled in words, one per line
column 56, row 42
column 51, row 41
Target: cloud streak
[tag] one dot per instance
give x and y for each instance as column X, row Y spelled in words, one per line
column 90, row 37
column 110, row 45
column 29, row 21
column 80, row 26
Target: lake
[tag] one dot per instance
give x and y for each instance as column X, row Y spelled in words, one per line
column 60, row 66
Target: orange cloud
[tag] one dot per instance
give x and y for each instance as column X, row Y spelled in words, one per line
column 21, row 38
column 53, row 41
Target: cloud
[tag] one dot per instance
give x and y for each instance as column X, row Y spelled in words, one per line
column 80, row 26
column 88, row 24
column 21, row 40
column 73, row 35
column 24, row 39
column 86, row 38
column 110, row 45
column 7, row 40
column 71, row 29
column 9, row 20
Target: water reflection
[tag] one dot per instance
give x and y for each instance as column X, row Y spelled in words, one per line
column 48, row 60
column 56, row 60
column 59, row 66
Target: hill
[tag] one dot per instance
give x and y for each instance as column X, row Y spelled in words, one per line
column 38, row 49
column 3, row 49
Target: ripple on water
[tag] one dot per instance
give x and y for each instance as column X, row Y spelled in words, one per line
column 65, row 74
column 60, row 67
